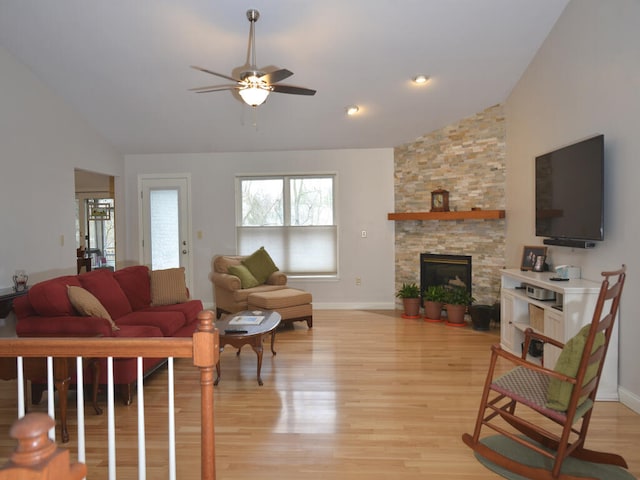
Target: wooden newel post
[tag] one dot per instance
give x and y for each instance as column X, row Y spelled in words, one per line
column 36, row 456
column 206, row 352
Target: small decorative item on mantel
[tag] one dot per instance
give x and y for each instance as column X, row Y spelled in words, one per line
column 440, row 200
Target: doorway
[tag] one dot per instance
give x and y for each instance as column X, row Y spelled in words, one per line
column 95, row 219
column 165, row 221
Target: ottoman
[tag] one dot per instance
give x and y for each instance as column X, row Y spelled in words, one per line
column 293, row 305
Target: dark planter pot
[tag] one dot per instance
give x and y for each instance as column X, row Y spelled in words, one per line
column 481, row 316
column 455, row 315
column 433, row 311
column 411, row 307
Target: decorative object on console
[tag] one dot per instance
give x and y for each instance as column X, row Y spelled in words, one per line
column 20, row 281
column 530, row 256
column 440, row 200
column 568, row 272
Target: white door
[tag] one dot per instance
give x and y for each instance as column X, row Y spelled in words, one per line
column 165, row 219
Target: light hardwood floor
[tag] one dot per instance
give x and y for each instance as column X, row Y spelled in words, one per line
column 361, row 395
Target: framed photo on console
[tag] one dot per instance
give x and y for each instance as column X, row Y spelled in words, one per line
column 533, row 258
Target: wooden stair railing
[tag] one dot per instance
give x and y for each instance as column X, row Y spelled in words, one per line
column 37, row 457
column 203, row 348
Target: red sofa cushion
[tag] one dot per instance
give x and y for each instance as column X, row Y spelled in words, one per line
column 136, row 285
column 50, row 299
column 63, row 326
column 167, row 322
column 106, row 289
column 189, row 309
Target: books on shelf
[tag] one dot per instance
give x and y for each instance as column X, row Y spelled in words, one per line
column 246, row 320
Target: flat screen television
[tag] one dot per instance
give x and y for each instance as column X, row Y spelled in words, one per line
column 570, row 194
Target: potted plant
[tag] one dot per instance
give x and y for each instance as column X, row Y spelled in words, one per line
column 410, row 295
column 433, row 298
column 457, row 299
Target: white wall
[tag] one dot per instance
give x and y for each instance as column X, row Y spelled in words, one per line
column 41, row 142
column 364, row 197
column 585, row 80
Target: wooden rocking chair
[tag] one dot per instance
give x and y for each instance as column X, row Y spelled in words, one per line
column 558, row 402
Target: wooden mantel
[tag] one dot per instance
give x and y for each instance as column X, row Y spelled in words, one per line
column 461, row 215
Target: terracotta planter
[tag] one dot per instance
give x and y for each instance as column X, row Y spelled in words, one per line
column 411, row 307
column 433, row 311
column 455, row 315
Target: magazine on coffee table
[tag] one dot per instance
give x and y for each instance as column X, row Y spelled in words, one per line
column 246, row 320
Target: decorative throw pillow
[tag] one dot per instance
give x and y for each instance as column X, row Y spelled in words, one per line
column 88, row 305
column 559, row 392
column 260, row 265
column 168, row 286
column 247, row 280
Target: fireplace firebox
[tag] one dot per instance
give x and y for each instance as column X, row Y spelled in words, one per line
column 447, row 270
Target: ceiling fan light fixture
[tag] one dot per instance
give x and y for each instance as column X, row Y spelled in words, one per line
column 352, row 110
column 420, row 79
column 254, row 96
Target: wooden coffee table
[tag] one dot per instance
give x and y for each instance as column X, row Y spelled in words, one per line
column 240, row 335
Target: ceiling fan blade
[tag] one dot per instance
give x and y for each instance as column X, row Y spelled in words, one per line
column 221, row 75
column 277, row 76
column 213, row 88
column 292, row 89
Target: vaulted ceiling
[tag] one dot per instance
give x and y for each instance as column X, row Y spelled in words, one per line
column 123, row 65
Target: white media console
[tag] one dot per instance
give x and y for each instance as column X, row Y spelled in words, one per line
column 563, row 317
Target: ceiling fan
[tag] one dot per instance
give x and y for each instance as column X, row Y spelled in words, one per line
column 254, row 86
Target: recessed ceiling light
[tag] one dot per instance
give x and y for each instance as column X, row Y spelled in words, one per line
column 352, row 109
column 420, row 79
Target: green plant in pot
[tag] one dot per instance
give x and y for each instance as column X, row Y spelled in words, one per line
column 433, row 297
column 410, row 295
column 457, row 299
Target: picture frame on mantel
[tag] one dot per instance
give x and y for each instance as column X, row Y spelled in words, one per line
column 531, row 258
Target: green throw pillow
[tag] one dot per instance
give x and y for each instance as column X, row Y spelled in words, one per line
column 247, row 280
column 260, row 265
column 559, row 392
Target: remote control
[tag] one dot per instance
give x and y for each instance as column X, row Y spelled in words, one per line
column 233, row 330
column 559, row 279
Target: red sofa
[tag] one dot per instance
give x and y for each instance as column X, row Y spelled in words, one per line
column 47, row 311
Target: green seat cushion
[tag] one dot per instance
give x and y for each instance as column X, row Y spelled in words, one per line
column 559, row 392
column 247, row 280
column 260, row 265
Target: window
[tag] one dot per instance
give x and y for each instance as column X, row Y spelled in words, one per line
column 293, row 217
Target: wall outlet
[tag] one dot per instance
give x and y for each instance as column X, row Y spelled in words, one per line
column 358, row 281
column 363, row 234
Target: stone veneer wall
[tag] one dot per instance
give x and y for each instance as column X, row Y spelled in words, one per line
column 467, row 159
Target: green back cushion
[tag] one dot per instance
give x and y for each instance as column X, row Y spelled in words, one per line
column 559, row 392
column 260, row 265
column 247, row 280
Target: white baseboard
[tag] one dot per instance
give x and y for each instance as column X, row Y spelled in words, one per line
column 335, row 306
column 354, row 306
column 629, row 399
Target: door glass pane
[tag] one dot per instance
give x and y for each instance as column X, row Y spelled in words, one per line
column 165, row 231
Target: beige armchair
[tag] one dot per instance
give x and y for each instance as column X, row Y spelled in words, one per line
column 228, row 294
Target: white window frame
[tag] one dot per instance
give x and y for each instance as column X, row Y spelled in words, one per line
column 281, row 250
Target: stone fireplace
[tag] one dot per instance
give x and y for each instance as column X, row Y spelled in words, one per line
column 467, row 158
column 447, row 270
